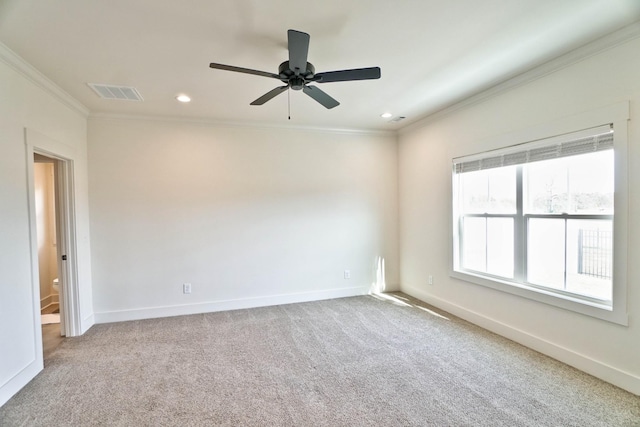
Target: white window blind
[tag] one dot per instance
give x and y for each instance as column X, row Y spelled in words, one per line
column 586, row 141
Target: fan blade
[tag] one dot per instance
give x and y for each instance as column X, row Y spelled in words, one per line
column 298, row 51
column 270, row 95
column 243, row 70
column 320, row 96
column 348, row 75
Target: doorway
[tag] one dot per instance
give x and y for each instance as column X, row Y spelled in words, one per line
column 46, row 217
column 59, row 158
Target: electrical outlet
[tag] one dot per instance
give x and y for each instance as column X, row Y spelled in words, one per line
column 347, row 274
column 186, row 288
column 430, row 279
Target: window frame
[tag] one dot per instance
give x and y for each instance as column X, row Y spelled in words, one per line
column 618, row 116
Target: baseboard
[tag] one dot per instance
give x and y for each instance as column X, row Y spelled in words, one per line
column 46, row 301
column 87, row 323
column 224, row 305
column 50, row 308
column 21, row 379
column 610, row 374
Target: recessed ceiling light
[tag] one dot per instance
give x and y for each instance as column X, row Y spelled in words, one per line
column 386, row 115
column 183, row 98
column 397, row 119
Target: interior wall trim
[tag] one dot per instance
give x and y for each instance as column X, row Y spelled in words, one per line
column 29, row 72
column 597, row 46
column 605, row 372
column 226, row 305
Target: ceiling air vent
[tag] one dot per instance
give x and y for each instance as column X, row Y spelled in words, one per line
column 116, row 92
column 397, row 118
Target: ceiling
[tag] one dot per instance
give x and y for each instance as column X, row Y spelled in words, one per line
column 432, row 53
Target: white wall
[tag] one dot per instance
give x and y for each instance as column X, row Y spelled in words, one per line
column 604, row 349
column 248, row 216
column 27, row 101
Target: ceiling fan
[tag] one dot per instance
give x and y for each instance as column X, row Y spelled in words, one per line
column 297, row 73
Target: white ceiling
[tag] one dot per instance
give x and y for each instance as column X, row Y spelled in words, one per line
column 432, row 53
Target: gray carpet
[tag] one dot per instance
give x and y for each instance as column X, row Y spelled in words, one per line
column 362, row 361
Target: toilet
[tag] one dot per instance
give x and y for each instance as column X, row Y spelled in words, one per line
column 56, row 285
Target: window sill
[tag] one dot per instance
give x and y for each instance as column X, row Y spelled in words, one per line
column 588, row 308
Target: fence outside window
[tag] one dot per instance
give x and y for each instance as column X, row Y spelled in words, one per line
column 595, row 253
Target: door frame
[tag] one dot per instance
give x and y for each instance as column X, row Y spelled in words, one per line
column 63, row 155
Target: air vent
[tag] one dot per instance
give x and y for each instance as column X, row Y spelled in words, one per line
column 397, row 118
column 116, row 92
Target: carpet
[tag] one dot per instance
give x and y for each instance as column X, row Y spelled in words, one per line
column 384, row 360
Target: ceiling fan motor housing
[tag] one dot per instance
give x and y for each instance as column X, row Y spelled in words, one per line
column 296, row 81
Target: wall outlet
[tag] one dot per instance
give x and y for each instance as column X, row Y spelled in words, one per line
column 430, row 279
column 186, row 288
column 347, row 274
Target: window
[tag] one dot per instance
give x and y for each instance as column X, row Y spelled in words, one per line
column 537, row 219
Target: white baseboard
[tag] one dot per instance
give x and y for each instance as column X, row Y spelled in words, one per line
column 579, row 361
column 21, row 379
column 50, row 308
column 235, row 304
column 87, row 323
column 46, row 301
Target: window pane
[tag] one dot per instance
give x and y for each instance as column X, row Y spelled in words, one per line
column 590, row 258
column 545, row 252
column 581, row 184
column 546, row 186
column 489, row 191
column 474, row 244
column 591, row 181
column 500, row 246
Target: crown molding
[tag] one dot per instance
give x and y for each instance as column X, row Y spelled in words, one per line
column 28, row 71
column 236, row 124
column 597, row 46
